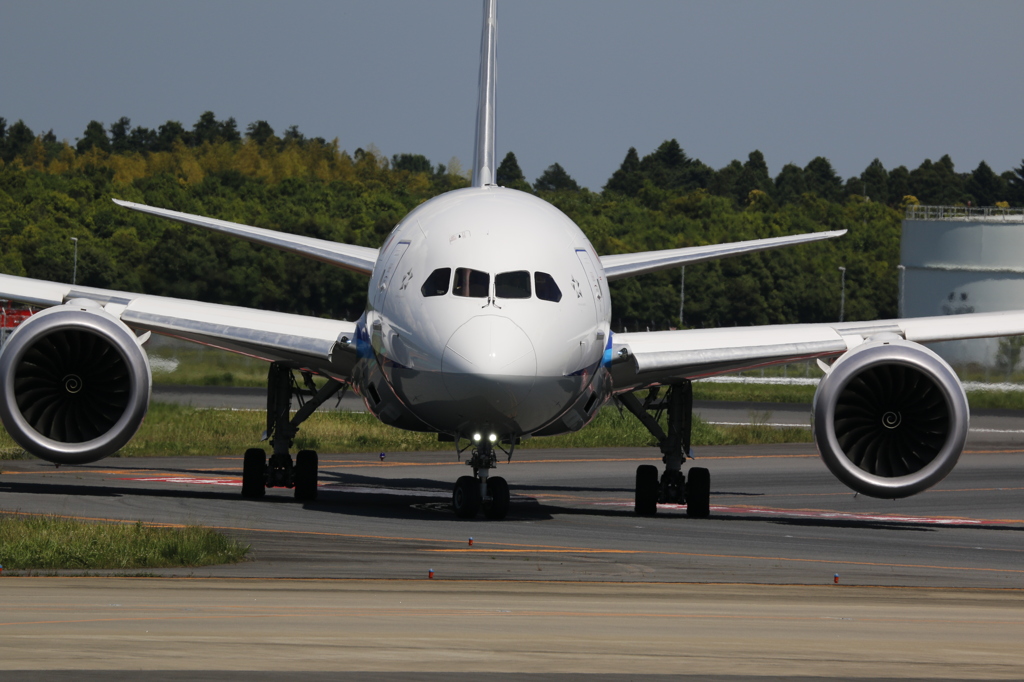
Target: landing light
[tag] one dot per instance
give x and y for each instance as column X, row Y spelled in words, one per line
column 492, row 438
column 476, row 437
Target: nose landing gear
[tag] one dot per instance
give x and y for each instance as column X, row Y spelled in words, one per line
column 481, row 491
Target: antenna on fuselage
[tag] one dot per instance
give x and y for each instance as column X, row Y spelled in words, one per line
column 483, row 151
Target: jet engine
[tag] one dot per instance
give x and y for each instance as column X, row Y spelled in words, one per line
column 75, row 383
column 890, row 418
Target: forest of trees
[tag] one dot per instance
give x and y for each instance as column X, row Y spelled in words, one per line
column 51, row 191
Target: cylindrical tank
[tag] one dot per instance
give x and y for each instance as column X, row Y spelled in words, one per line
column 962, row 260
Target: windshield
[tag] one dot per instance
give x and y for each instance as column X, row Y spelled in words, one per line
column 547, row 290
column 437, row 283
column 471, row 283
column 512, row 284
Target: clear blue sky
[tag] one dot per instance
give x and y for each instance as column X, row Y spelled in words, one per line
column 579, row 81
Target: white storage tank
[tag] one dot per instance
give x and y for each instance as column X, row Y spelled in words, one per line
column 962, row 260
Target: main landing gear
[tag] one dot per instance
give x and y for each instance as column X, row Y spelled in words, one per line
column 481, row 491
column 673, row 487
column 280, row 472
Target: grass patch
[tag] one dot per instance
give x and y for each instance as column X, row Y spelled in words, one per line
column 996, row 400
column 753, row 393
column 774, row 393
column 54, row 542
column 181, row 431
column 176, row 430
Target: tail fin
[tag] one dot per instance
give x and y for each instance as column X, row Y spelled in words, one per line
column 483, row 154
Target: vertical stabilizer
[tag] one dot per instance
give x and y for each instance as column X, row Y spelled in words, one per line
column 483, row 152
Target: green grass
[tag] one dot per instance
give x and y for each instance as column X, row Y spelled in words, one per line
column 54, row 542
column 753, row 393
column 180, row 431
column 199, row 366
column 772, row 393
column 988, row 400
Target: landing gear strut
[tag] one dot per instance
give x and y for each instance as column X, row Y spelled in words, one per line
column 673, row 487
column 481, row 491
column 281, row 472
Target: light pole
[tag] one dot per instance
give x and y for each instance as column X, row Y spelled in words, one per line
column 74, row 271
column 842, row 294
column 903, row 283
column 682, row 293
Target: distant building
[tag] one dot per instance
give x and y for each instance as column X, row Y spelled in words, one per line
column 962, row 260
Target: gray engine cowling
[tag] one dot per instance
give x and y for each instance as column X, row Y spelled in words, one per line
column 75, row 384
column 891, row 418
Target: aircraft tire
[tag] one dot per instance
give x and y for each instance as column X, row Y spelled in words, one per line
column 496, row 508
column 306, row 463
column 647, row 487
column 466, row 497
column 254, row 473
column 698, row 493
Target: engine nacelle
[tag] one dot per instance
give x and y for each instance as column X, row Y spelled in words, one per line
column 891, row 418
column 75, row 384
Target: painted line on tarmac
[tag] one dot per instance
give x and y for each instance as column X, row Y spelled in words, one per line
column 841, row 516
column 237, row 483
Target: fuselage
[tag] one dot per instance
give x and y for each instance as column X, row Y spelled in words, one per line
column 487, row 312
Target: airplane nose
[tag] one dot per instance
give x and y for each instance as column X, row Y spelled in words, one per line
column 490, row 359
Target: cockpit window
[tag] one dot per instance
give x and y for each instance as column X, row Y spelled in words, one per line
column 437, row 283
column 512, row 284
column 471, row 283
column 547, row 290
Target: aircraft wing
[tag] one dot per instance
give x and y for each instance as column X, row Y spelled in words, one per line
column 619, row 265
column 324, row 346
column 642, row 359
column 348, row 256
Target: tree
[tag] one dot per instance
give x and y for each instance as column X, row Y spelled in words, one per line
column 1016, row 184
column 985, row 186
column 754, row 176
column 822, row 179
column 937, row 183
column 668, row 167
column 95, row 135
column 724, row 181
column 18, row 140
column 167, row 135
column 628, row 179
column 142, row 139
column 511, row 175
column 229, row 131
column 259, row 132
column 209, row 129
column 789, row 184
column 875, row 182
column 120, row 138
column 292, row 134
column 899, row 185
column 555, row 179
column 413, row 163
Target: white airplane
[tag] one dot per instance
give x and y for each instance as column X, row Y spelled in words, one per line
column 487, row 322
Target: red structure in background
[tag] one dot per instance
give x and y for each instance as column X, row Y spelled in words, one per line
column 11, row 317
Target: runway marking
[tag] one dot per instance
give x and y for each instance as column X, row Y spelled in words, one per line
column 434, row 612
column 544, row 551
column 198, row 480
column 237, row 483
column 843, row 516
